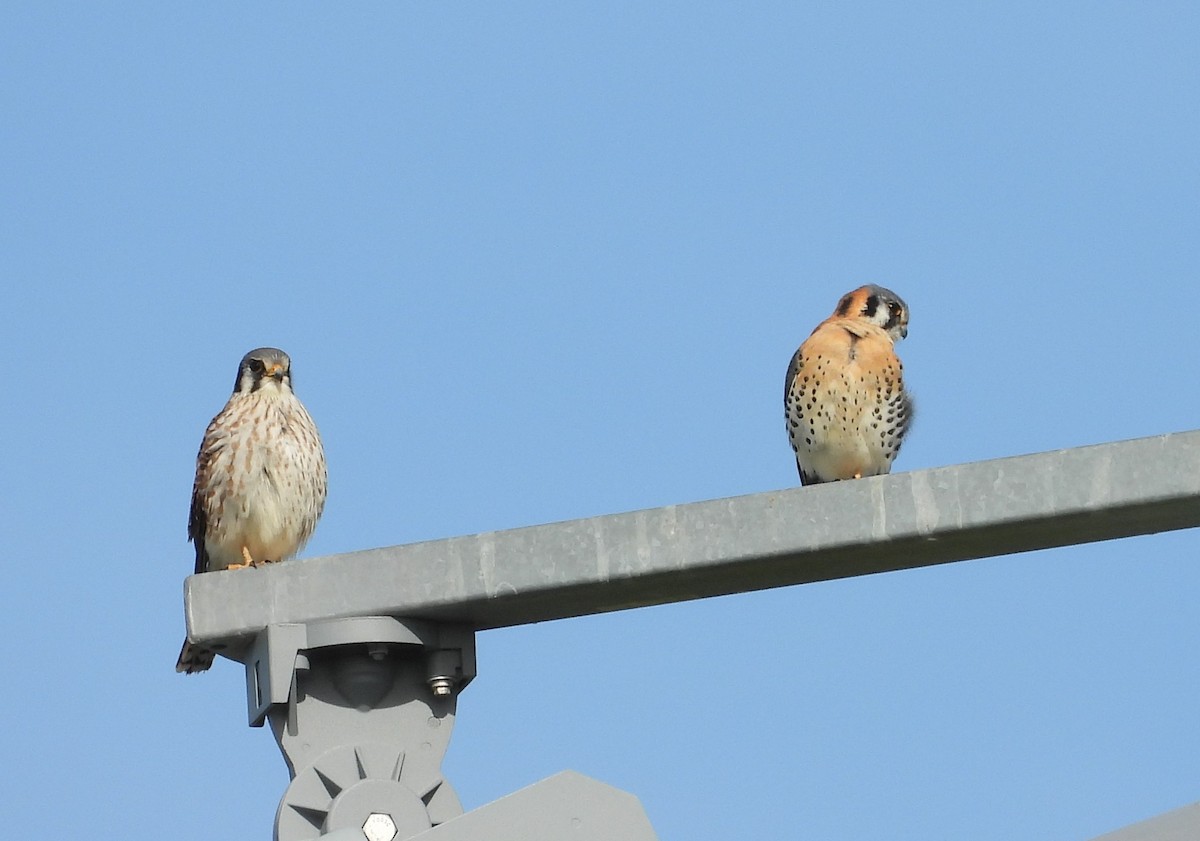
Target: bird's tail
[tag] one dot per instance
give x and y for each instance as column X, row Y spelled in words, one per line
column 194, row 659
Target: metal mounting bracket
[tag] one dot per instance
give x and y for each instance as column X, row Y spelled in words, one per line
column 362, row 709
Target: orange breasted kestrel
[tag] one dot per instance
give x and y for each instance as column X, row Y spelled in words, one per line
column 846, row 408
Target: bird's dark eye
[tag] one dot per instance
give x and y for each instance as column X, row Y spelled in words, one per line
column 256, row 366
column 894, row 308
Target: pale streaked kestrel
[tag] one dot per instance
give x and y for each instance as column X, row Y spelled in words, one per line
column 260, row 478
column 844, row 399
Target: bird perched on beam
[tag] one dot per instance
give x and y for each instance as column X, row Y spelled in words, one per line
column 844, row 399
column 260, row 478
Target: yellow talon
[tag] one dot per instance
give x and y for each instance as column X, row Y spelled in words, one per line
column 249, row 561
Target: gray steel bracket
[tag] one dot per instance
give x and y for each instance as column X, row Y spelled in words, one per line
column 565, row 806
column 362, row 709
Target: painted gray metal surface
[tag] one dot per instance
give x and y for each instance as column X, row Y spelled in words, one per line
column 1178, row 825
column 723, row 546
column 565, row 806
column 355, row 707
column 362, row 729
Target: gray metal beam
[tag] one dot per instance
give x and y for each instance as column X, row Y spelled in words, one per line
column 723, row 546
column 1178, row 825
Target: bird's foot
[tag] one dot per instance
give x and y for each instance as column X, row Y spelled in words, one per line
column 248, row 562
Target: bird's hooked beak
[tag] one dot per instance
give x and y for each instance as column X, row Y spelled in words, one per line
column 276, row 371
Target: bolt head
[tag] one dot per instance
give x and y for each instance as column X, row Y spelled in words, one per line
column 379, row 827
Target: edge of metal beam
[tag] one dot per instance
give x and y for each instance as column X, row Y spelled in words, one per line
column 1181, row 824
column 723, row 546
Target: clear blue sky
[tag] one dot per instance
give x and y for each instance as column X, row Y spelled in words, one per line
column 536, row 261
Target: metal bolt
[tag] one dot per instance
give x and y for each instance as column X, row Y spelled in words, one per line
column 377, row 652
column 441, row 686
column 379, row 827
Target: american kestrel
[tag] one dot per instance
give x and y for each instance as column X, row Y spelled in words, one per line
column 844, row 399
column 260, row 478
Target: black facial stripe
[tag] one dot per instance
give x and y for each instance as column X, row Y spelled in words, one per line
column 243, row 371
column 871, row 307
column 844, row 306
